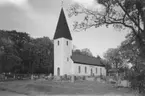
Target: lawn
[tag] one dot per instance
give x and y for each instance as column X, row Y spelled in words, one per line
column 65, row 88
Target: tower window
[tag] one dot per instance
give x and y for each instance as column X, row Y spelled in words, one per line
column 79, row 69
column 66, row 42
column 58, row 42
column 85, row 69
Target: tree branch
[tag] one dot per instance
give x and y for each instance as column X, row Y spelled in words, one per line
column 123, row 23
column 129, row 15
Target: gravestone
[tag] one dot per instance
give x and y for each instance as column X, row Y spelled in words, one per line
column 90, row 78
column 98, row 79
column 49, row 76
column 72, row 78
column 125, row 83
column 57, row 78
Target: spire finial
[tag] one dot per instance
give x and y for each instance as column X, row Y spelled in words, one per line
column 62, row 3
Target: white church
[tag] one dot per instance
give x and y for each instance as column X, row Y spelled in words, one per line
column 65, row 61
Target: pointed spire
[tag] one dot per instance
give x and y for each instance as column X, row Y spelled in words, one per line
column 62, row 29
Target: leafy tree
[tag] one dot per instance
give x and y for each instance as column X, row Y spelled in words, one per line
column 122, row 14
column 113, row 56
column 44, row 49
column 74, row 48
column 107, row 65
column 87, row 52
column 129, row 52
column 19, row 51
column 84, row 51
column 9, row 56
column 77, row 51
column 9, row 61
column 38, row 56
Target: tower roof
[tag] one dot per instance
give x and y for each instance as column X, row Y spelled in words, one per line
column 62, row 29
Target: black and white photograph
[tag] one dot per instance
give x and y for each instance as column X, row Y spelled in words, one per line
column 72, row 47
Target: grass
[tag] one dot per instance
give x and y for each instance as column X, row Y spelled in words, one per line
column 50, row 87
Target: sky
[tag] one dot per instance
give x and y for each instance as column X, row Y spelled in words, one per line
column 39, row 18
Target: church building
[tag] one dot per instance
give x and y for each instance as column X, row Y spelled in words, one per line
column 67, row 62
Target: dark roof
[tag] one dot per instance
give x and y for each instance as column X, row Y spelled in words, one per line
column 82, row 59
column 62, row 29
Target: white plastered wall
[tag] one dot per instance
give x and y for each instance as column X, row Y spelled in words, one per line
column 89, row 67
column 62, row 54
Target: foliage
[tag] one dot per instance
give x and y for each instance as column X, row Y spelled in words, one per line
column 128, row 53
column 84, row 51
column 137, row 78
column 22, row 54
column 122, row 14
column 107, row 65
column 113, row 57
column 87, row 52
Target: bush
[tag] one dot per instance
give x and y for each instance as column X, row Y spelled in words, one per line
column 137, row 80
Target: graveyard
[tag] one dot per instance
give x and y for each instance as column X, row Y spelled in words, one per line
column 57, row 87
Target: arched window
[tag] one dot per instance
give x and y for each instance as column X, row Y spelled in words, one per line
column 85, row 69
column 79, row 69
column 58, row 42
column 96, row 70
column 66, row 42
column 91, row 71
column 100, row 71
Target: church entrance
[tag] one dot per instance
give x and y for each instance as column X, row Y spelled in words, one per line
column 58, row 71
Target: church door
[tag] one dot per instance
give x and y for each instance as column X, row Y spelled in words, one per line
column 58, row 71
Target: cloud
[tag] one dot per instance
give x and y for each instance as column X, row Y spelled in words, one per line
column 91, row 4
column 21, row 4
column 86, row 3
column 15, row 2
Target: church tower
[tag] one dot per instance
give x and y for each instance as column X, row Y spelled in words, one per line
column 62, row 47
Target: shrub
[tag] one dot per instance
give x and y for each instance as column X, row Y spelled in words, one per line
column 137, row 80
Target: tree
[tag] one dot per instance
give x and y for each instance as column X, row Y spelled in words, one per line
column 113, row 57
column 19, row 51
column 39, row 54
column 107, row 65
column 129, row 52
column 86, row 52
column 74, row 48
column 122, row 14
column 77, row 51
column 45, row 53
column 9, row 62
column 9, row 55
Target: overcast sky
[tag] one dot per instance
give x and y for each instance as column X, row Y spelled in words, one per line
column 39, row 18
